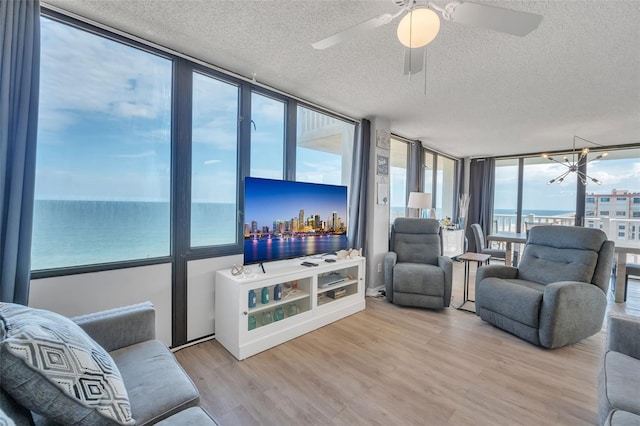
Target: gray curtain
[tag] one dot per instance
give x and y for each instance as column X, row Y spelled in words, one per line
column 481, row 189
column 19, row 86
column 358, row 186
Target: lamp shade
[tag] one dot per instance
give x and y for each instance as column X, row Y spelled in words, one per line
column 418, row 27
column 419, row 200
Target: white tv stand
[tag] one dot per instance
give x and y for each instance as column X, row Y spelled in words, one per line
column 306, row 303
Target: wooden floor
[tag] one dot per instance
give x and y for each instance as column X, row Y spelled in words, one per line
column 391, row 365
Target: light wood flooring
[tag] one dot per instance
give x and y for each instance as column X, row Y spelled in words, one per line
column 391, row 365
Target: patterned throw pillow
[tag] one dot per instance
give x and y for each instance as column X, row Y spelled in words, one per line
column 52, row 367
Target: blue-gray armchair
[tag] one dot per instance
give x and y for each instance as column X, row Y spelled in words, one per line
column 415, row 272
column 557, row 295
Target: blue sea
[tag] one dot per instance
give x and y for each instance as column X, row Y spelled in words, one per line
column 536, row 212
column 73, row 233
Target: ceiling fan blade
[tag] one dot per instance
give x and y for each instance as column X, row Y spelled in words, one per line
column 496, row 18
column 413, row 60
column 354, row 31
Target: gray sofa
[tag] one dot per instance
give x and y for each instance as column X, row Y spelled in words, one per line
column 158, row 389
column 415, row 272
column 557, row 295
column 619, row 373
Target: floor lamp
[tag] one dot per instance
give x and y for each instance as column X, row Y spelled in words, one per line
column 422, row 202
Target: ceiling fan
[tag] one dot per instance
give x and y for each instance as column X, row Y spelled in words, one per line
column 420, row 24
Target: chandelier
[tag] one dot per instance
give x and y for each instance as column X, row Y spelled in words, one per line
column 574, row 166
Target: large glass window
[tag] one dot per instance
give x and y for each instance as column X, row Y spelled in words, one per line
column 267, row 137
column 399, row 157
column 543, row 202
column 427, row 171
column 613, row 205
column 324, row 151
column 103, row 160
column 214, row 162
column 445, row 187
column 505, row 204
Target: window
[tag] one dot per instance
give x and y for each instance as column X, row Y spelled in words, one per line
column 399, row 155
column 622, row 227
column 324, row 148
column 590, row 200
column 445, row 187
column 505, row 205
column 214, row 166
column 267, row 137
column 619, row 182
column 547, row 203
column 636, row 200
column 104, row 155
column 428, row 169
column 636, row 214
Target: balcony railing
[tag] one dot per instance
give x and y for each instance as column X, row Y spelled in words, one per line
column 622, row 231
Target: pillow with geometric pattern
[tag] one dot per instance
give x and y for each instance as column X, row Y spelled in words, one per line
column 52, row 367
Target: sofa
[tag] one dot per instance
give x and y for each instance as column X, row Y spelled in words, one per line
column 619, row 373
column 105, row 368
column 557, row 294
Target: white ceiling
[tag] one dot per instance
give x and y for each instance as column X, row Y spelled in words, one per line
column 487, row 93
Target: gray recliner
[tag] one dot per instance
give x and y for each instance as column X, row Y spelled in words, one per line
column 415, row 272
column 557, row 295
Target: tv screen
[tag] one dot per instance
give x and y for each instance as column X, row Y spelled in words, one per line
column 285, row 219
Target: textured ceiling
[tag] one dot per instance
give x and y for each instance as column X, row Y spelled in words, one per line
column 487, row 93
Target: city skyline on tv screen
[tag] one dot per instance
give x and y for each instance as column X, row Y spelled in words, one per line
column 286, row 219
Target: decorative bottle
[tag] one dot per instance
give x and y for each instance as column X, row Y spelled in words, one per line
column 252, row 298
column 265, row 295
column 277, row 292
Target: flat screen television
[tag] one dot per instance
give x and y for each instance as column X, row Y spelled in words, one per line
column 286, row 219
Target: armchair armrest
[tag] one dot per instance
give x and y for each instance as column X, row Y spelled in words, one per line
column 116, row 328
column 622, row 334
column 390, row 260
column 496, row 271
column 571, row 311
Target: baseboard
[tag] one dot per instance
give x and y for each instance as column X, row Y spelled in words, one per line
column 373, row 292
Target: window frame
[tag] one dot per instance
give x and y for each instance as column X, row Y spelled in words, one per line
column 181, row 144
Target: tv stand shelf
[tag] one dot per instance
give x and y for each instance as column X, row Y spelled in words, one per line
column 305, row 304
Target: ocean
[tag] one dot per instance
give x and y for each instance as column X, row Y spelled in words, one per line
column 75, row 233
column 536, row 212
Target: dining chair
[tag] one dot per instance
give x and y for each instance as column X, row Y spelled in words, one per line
column 481, row 245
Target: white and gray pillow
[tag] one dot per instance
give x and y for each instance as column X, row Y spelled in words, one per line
column 52, row 367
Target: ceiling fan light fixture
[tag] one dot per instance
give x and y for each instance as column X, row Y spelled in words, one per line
column 418, row 27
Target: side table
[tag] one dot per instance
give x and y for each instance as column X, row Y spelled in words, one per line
column 468, row 258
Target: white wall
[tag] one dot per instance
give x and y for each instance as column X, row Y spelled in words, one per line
column 377, row 214
column 200, row 293
column 80, row 294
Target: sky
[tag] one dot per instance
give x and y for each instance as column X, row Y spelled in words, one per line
column 615, row 173
column 105, row 126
